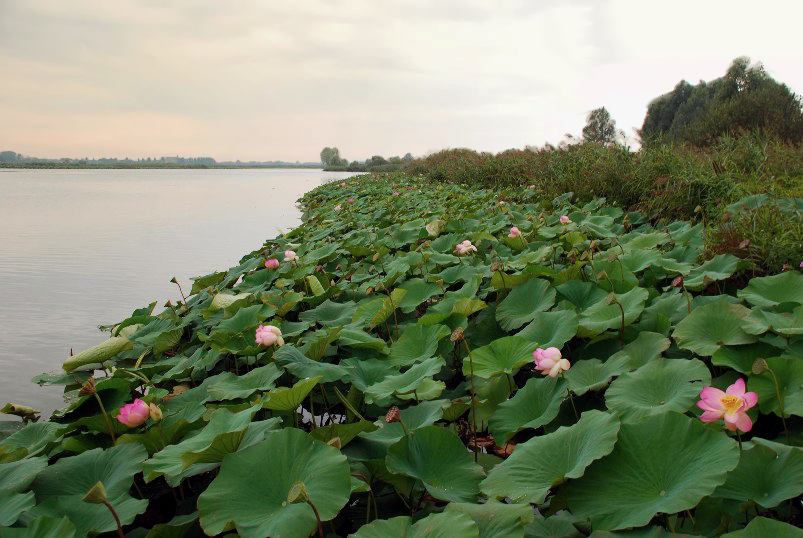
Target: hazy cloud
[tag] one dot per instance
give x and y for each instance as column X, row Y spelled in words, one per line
column 281, row 79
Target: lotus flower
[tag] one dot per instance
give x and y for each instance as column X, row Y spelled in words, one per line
column 290, row 256
column 465, row 248
column 550, row 362
column 338, row 207
column 351, row 200
column 731, row 406
column 565, row 220
column 272, row 263
column 514, row 232
column 269, row 335
column 396, row 193
column 134, row 414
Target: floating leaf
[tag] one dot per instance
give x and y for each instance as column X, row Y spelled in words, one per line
column 502, row 356
column 229, row 386
column 711, row 326
column 444, row 525
column 495, row 519
column 533, row 406
column 786, row 287
column 551, row 329
column 523, row 302
column 416, row 343
column 406, row 382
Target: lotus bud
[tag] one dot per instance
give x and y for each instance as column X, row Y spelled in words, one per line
column 514, row 232
column 393, row 415
column 96, row 494
column 335, row 442
column 564, row 219
column 269, row 335
column 88, row 388
column 298, row 493
column 759, row 366
column 290, row 256
column 272, row 263
column 134, row 414
column 457, row 335
column 154, row 412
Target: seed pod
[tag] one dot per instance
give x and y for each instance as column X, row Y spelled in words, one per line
column 393, row 415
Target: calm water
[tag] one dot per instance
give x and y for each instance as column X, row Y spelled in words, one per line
column 80, row 248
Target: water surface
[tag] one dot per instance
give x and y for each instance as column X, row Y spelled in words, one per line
column 80, row 248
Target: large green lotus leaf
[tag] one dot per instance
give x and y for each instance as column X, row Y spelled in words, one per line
column 558, row 526
column 767, row 474
column 591, row 374
column 534, row 405
column 416, row 343
column 41, row 527
column 604, row 315
column 444, row 525
column 647, row 347
column 763, row 527
column 346, row 432
column 438, row 458
column 523, row 302
column 551, row 329
column 741, row 358
column 359, row 339
column 229, row 386
column 545, row 461
column 187, row 406
column 786, row 287
column 717, row 268
column 415, row 417
column 502, row 356
column 637, row 259
column 406, row 382
column 663, row 464
column 785, row 323
column 657, row 387
column 712, row 326
column 418, row 290
column 30, row 440
column 582, row 295
column 250, row 491
column 316, row 344
column 61, row 487
column 289, row 398
column 14, row 479
column 789, row 372
column 330, row 314
column 495, row 519
column 220, row 436
column 364, row 373
column 302, row 367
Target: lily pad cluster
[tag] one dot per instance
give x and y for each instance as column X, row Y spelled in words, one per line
column 392, row 389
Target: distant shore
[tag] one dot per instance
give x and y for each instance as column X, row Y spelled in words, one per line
column 118, row 166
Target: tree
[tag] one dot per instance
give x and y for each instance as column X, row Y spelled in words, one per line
column 331, row 157
column 600, row 127
column 9, row 157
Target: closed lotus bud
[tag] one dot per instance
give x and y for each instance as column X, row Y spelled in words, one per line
column 335, row 442
column 298, row 493
column 96, row 494
column 495, row 267
column 457, row 335
column 393, row 415
column 602, row 275
column 155, row 412
column 88, row 388
column 677, row 282
column 759, row 366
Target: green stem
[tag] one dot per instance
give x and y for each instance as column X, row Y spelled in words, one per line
column 317, row 517
column 108, row 505
column 473, row 401
column 780, row 402
column 106, row 418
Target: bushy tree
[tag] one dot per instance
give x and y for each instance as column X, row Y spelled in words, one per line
column 600, row 127
column 331, row 157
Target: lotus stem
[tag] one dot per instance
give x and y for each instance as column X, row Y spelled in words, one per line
column 106, row 418
column 473, row 402
column 317, row 515
column 780, row 402
column 108, row 505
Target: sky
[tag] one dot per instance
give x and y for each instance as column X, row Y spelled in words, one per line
column 281, row 79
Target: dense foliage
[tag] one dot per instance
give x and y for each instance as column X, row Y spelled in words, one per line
column 370, row 373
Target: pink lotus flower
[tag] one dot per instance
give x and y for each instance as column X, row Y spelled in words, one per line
column 351, row 200
column 514, row 232
column 396, row 193
column 134, row 414
column 550, row 362
column 338, row 207
column 269, row 335
column 290, row 256
column 565, row 220
column 465, row 248
column 731, row 406
column 272, row 263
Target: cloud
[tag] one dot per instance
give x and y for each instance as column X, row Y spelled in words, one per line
column 281, row 79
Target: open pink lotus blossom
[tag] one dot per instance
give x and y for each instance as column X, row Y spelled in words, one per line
column 514, row 232
column 465, row 248
column 290, row 256
column 134, row 414
column 269, row 335
column 550, row 362
column 338, row 207
column 565, row 220
column 272, row 263
column 731, row 406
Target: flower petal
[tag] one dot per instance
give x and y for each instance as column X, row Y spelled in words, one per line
column 737, row 389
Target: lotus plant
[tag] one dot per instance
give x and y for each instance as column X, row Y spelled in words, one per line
column 272, row 263
column 514, row 232
column 465, row 248
column 550, row 362
column 290, row 256
column 134, row 414
column 564, row 219
column 269, row 335
column 731, row 406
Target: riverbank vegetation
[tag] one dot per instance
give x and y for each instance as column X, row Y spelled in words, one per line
column 424, row 358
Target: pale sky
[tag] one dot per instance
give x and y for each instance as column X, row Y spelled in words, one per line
column 276, row 79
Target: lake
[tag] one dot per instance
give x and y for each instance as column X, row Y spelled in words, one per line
column 81, row 248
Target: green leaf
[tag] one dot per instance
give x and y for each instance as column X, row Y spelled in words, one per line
column 786, row 287
column 495, row 519
column 717, row 268
column 533, row 406
column 663, row 464
column 302, row 367
column 789, row 372
column 41, row 527
column 14, row 479
column 607, row 315
column 439, row 459
column 229, row 386
column 591, row 374
column 741, row 358
column 523, row 302
column 416, row 343
column 418, row 290
column 330, row 314
column 30, row 440
column 250, row 491
column 502, row 356
column 289, row 398
column 712, row 326
column 545, row 461
column 444, row 525
column 60, row 488
column 762, row 527
column 414, row 417
column 768, row 473
column 406, row 382
column 551, row 329
column 203, row 282
column 657, row 387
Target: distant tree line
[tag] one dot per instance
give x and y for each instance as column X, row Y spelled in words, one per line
column 332, row 161
column 17, row 160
